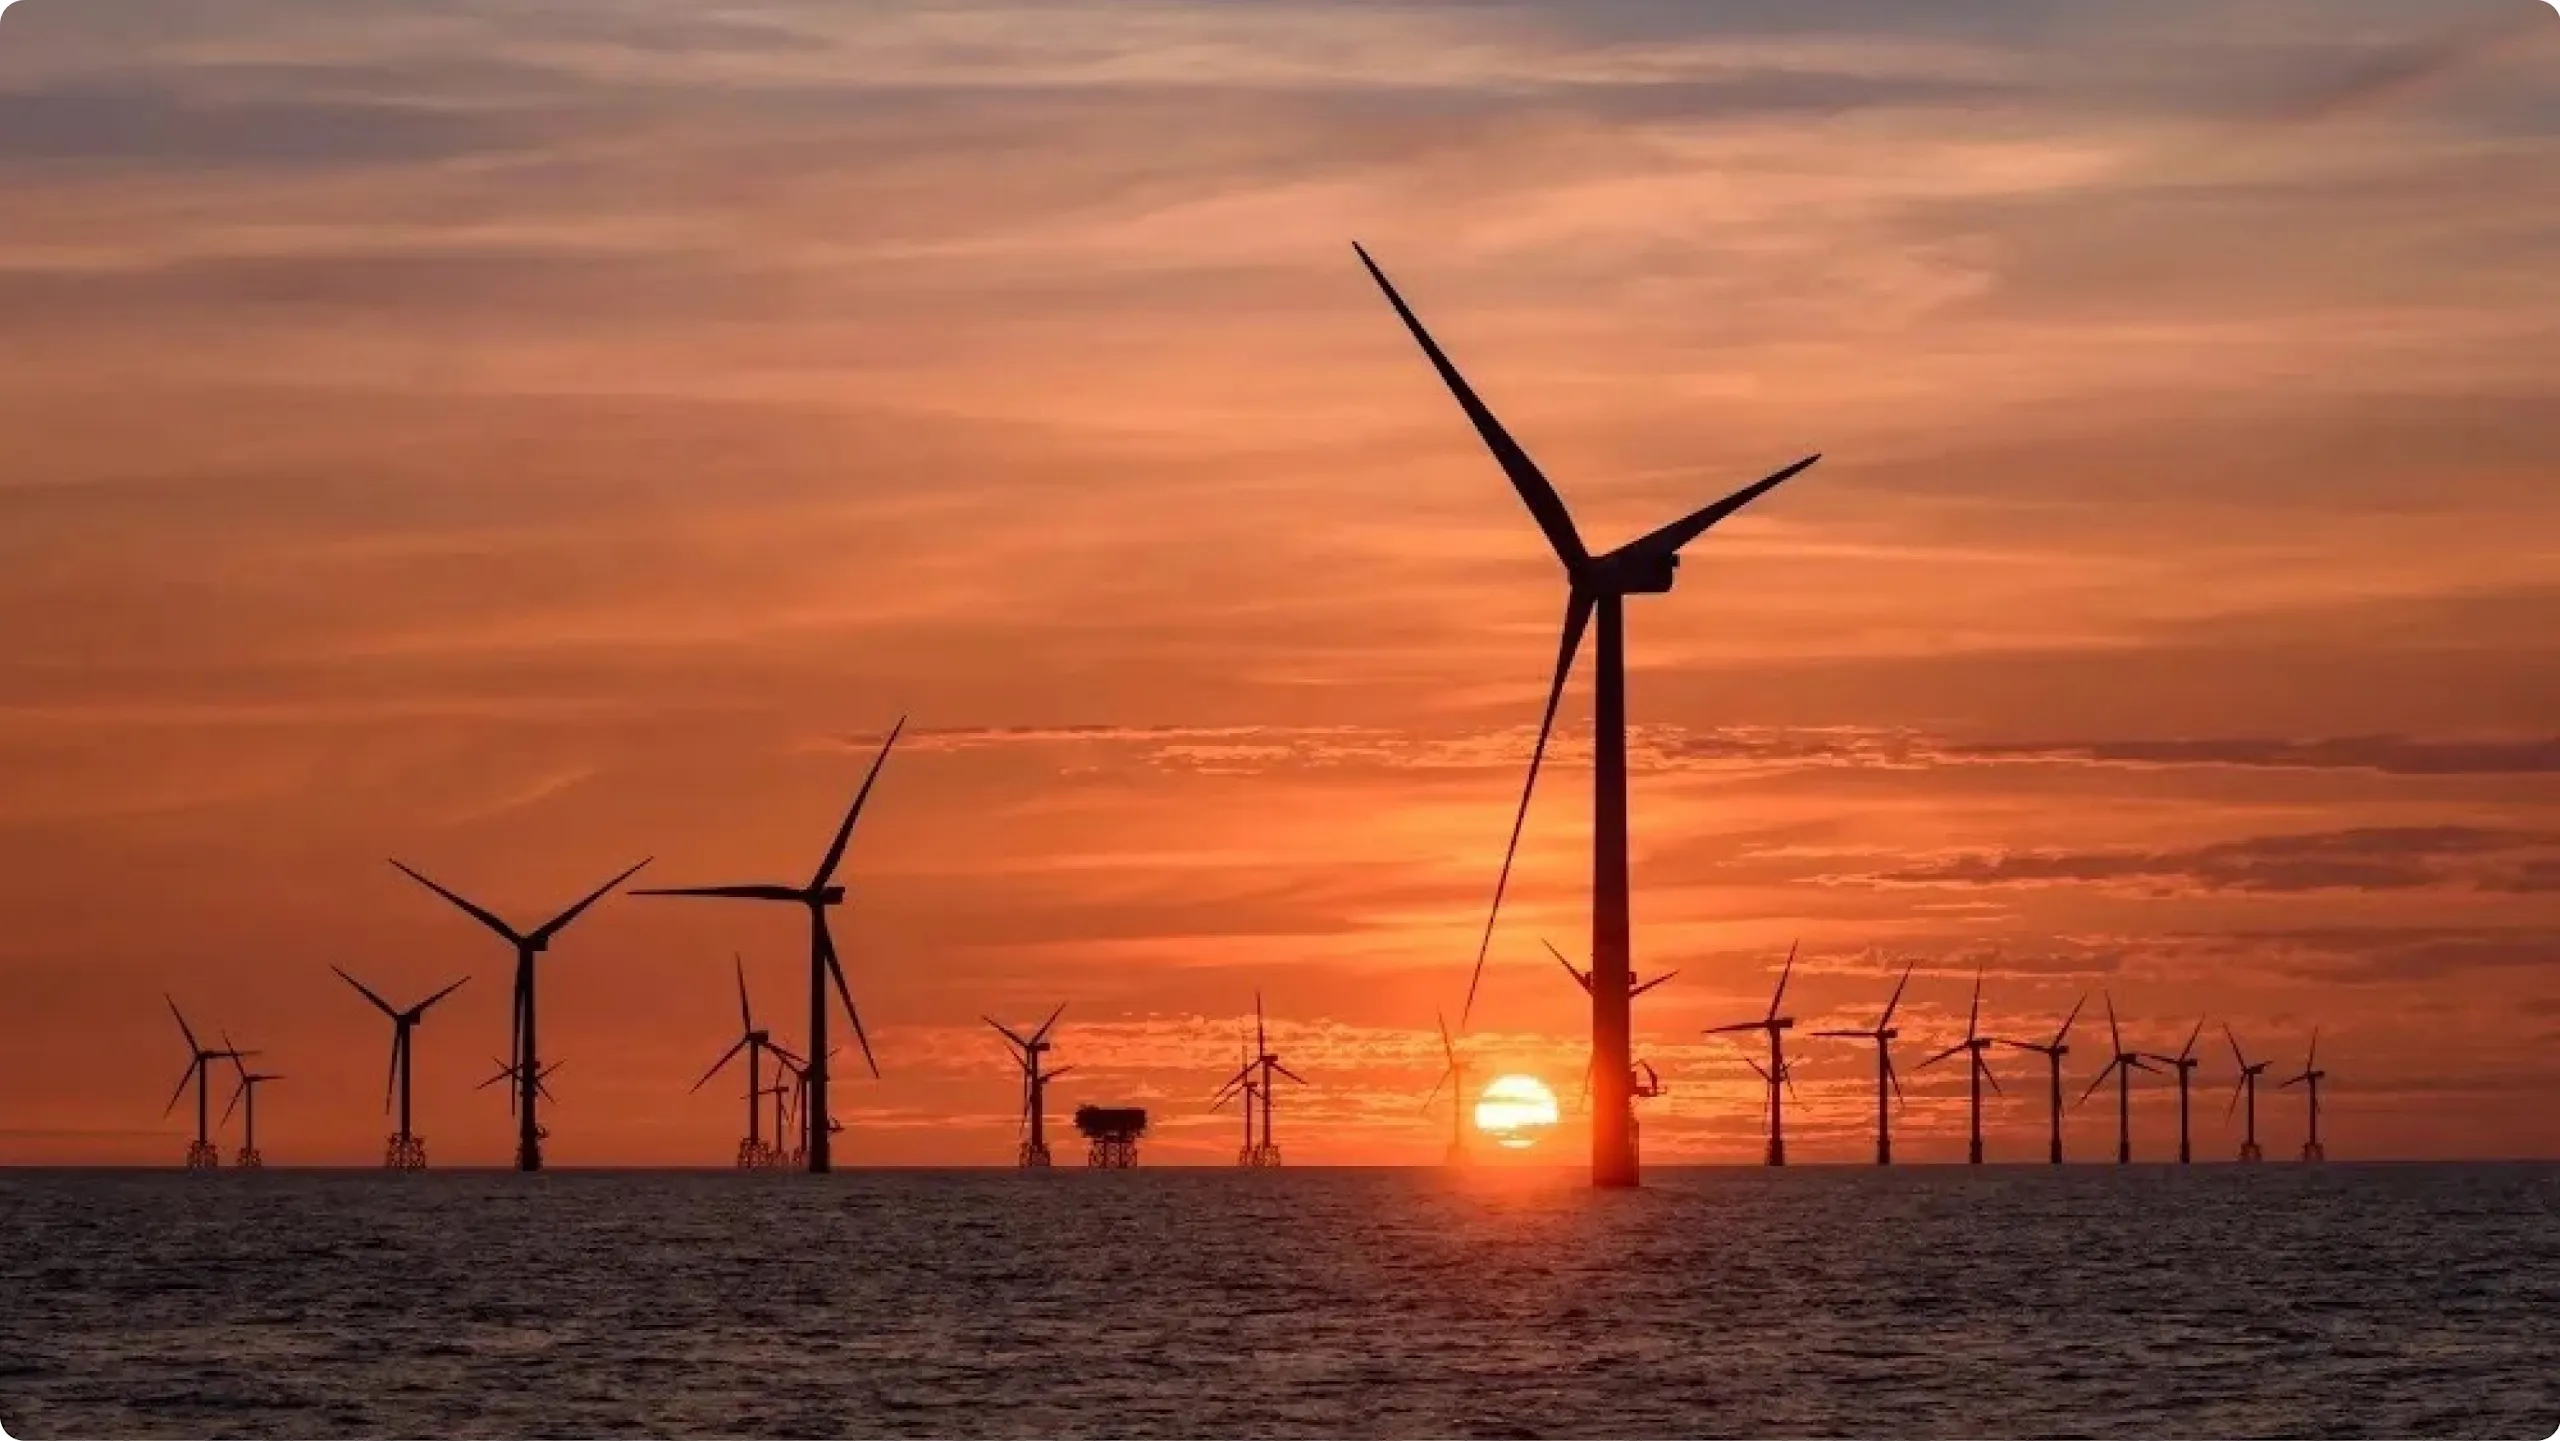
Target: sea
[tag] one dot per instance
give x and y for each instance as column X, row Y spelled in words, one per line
column 2214, row 1301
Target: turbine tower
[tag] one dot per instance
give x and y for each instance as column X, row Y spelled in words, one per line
column 817, row 1120
column 1454, row 1076
column 1595, row 585
column 1977, row 1069
column 2184, row 1063
column 2121, row 1065
column 2312, row 1076
column 524, row 1049
column 2248, row 1085
column 1776, row 1071
column 1888, row 1085
column 405, row 1150
column 247, row 1090
column 203, row 1154
column 2053, row 1051
column 755, row 1041
column 1034, row 1151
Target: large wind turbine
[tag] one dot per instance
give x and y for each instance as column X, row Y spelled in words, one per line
column 1974, row 1044
column 1255, row 1079
column 2053, row 1051
column 406, row 1150
column 1888, row 1086
column 1594, row 584
column 2121, row 1065
column 524, row 1052
column 2185, row 1064
column 817, row 1121
column 1777, row 1071
column 2248, row 1084
column 1027, row 1050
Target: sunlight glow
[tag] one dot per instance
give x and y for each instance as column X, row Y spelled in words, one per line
column 1516, row 1110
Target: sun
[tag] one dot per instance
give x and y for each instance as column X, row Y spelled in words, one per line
column 1515, row 1111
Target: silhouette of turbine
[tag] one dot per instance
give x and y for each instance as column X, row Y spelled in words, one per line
column 1978, row 1070
column 1776, row 1071
column 755, row 1041
column 2185, row 1063
column 540, row 1085
column 1635, row 988
column 2121, row 1065
column 250, row 1081
column 1454, row 1076
column 1261, row 1068
column 1888, row 1085
column 2248, row 1085
column 405, row 1150
column 1241, row 1084
column 1595, row 584
column 2312, row 1076
column 821, row 893
column 2053, row 1051
column 203, row 1155
column 1027, row 1050
column 524, row 1051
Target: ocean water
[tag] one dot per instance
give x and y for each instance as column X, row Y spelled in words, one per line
column 2342, row 1300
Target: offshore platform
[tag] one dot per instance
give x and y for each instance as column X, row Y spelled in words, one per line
column 1113, row 1132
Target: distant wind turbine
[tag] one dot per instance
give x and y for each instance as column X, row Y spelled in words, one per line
column 203, row 1154
column 1775, row 1073
column 2184, row 1063
column 2246, row 1086
column 2053, row 1051
column 1978, row 1070
column 1888, row 1085
column 2121, row 1065
column 405, row 1150
column 2312, row 1076
column 1034, row 1151
column 1594, row 584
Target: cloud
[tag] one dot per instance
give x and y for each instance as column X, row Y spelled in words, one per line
column 2383, row 754
column 2381, row 858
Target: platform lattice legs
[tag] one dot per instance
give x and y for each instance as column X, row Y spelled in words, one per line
column 1034, row 1156
column 1112, row 1154
column 402, row 1152
column 249, row 1159
column 1260, row 1154
column 203, row 1156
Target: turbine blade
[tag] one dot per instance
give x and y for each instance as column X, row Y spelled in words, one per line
column 2189, row 1048
column 1780, row 997
column 1787, row 1074
column 183, row 1028
column 2236, row 1088
column 1582, row 1103
column 1942, row 1055
column 1434, row 1093
column 1735, row 1027
column 1261, row 1046
column 1580, row 978
column 560, row 922
column 235, row 1098
column 844, row 991
column 1984, row 1067
column 473, row 911
column 746, row 1016
column 2105, row 1071
column 2237, row 1059
column 379, row 1003
column 1042, row 1034
column 734, row 893
column 726, row 1057
column 2310, row 1063
column 1649, row 985
column 2067, row 1020
column 189, row 1074
column 1897, row 995
column 421, row 1008
column 1053, row 1075
column 1448, row 1047
column 1018, row 1043
column 1844, row 1035
column 2115, row 1037
column 1756, row 1068
column 391, row 1074
column 1292, row 1075
column 1577, row 615
column 1893, row 1078
column 1973, row 1018
column 1535, row 492
column 844, row 833
column 1670, row 538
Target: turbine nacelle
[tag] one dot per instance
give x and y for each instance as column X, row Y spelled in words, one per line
column 1630, row 571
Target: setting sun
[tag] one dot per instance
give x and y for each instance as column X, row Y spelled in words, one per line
column 1516, row 1110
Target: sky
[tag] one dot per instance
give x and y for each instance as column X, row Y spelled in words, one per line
column 520, row 438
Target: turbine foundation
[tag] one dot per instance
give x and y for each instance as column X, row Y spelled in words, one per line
column 203, row 1156
column 1034, row 1156
column 249, row 1159
column 2249, row 1151
column 401, row 1152
column 2313, row 1151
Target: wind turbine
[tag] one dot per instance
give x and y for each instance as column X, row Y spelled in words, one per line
column 817, row 896
column 405, row 1151
column 524, row 1050
column 1454, row 1076
column 2053, row 1051
column 755, row 1041
column 1776, row 1071
column 1637, row 1089
column 1034, row 1152
column 2248, row 1085
column 1888, row 1085
column 2312, row 1076
column 1255, row 1080
column 1240, row 1084
column 538, row 1084
column 2185, row 1063
column 247, row 1089
column 203, row 1155
column 2121, row 1065
column 1594, row 585
column 1978, row 1069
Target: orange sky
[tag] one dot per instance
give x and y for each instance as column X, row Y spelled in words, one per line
column 520, row 439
